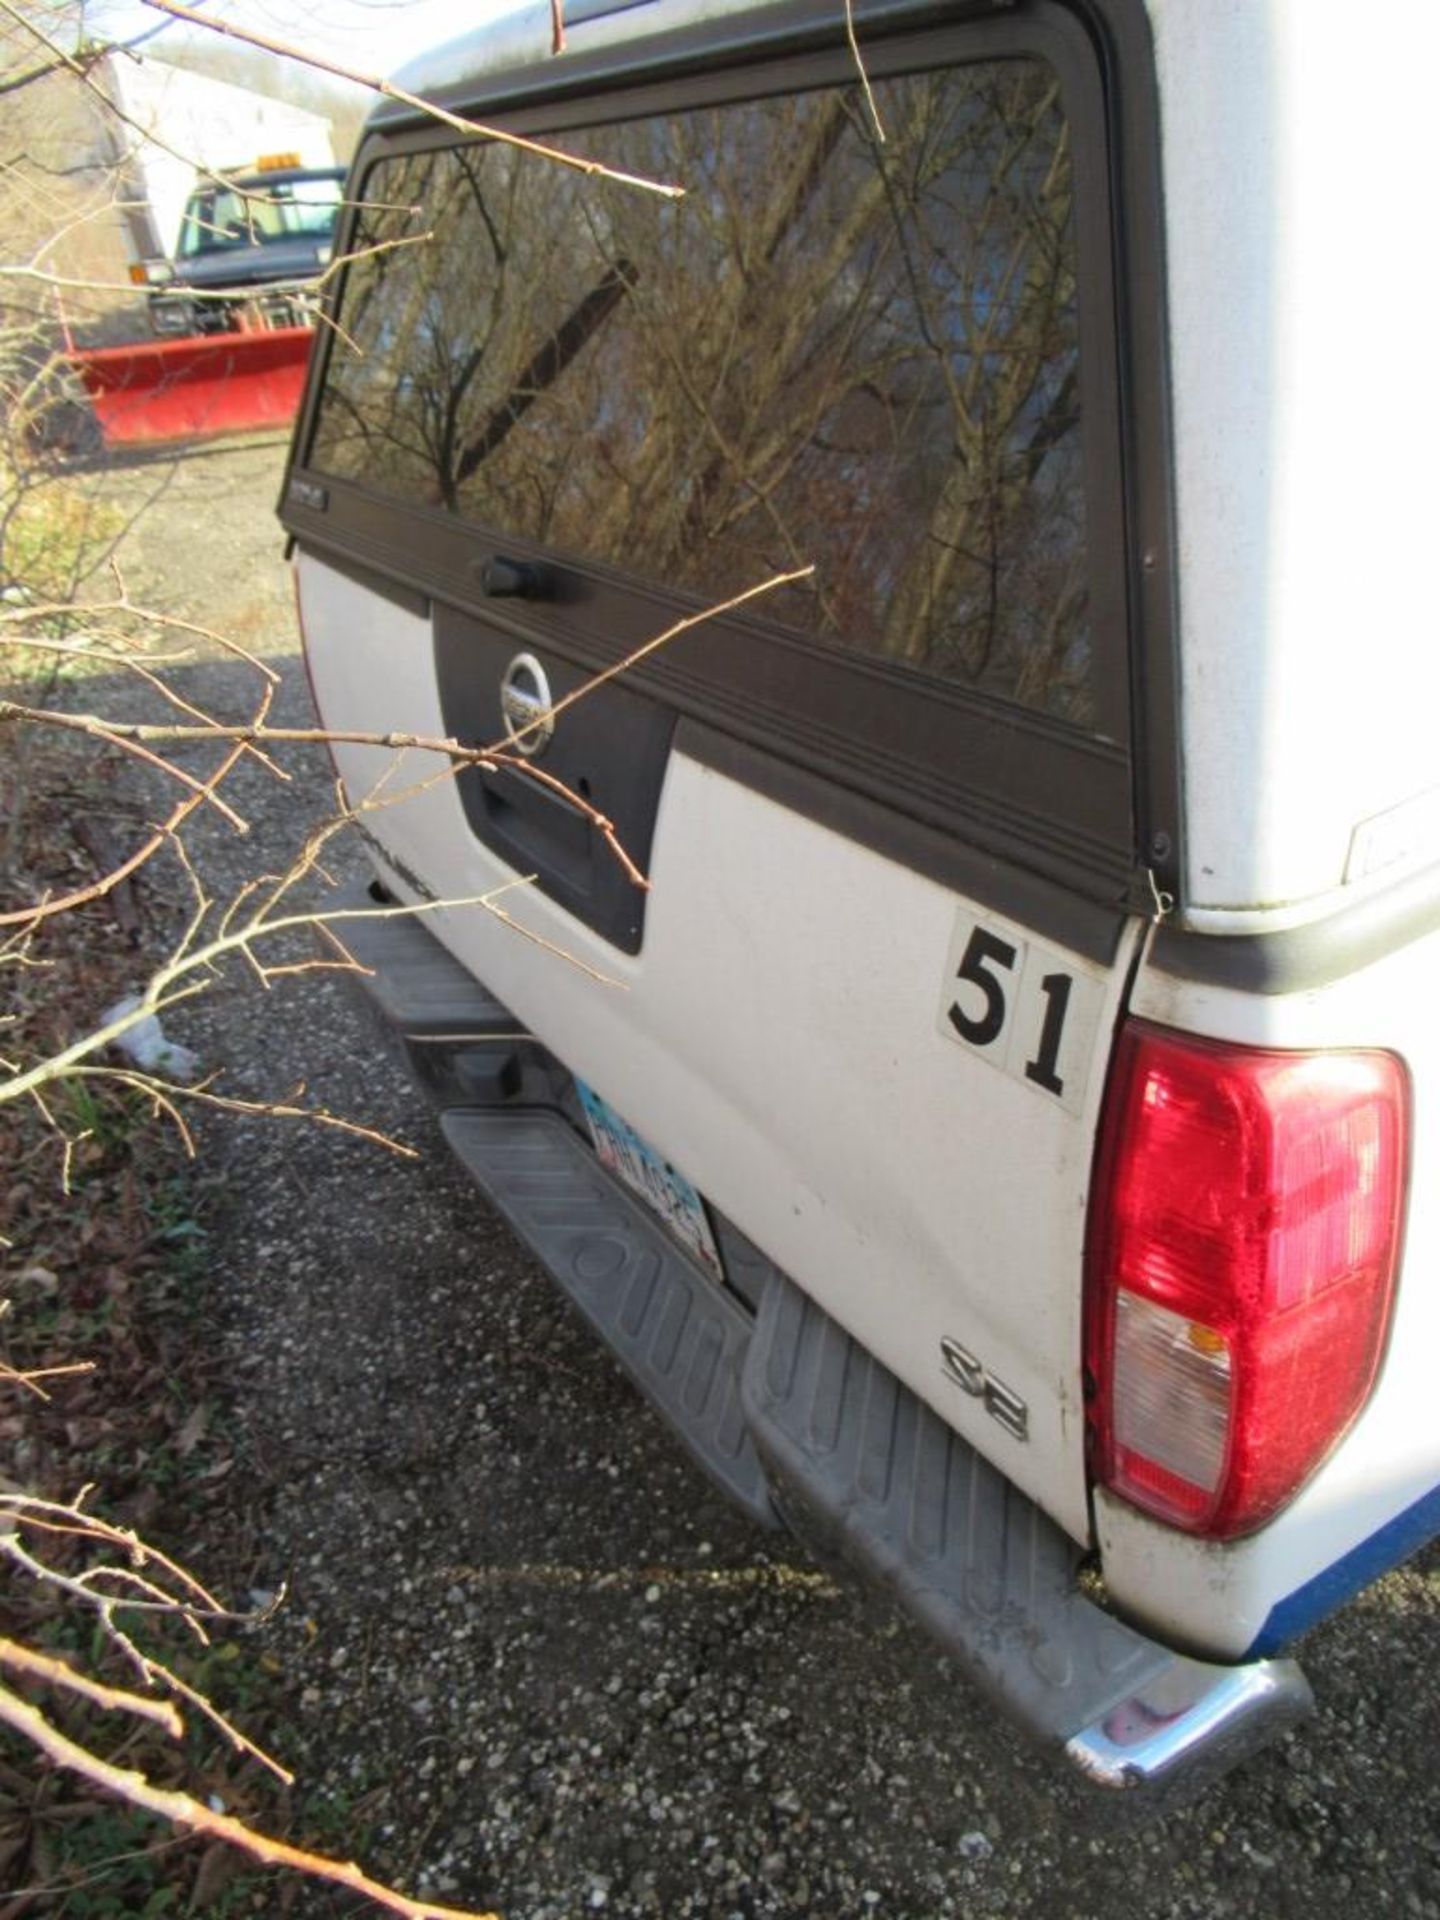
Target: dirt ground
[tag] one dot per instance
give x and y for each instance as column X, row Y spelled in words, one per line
column 533, row 1661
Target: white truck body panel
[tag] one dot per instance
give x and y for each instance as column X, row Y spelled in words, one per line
column 1290, row 132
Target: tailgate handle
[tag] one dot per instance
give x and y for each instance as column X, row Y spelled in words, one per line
column 504, row 579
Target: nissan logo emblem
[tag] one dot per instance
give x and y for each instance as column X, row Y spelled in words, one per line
column 525, row 705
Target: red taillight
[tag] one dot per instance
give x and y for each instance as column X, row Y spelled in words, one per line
column 1245, row 1221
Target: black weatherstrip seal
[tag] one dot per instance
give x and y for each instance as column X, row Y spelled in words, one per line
column 1124, row 45
column 1082, row 926
column 1301, row 959
column 740, row 38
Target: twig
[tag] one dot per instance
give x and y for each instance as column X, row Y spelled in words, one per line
column 396, row 742
column 182, row 1810
column 41, row 1666
column 860, row 69
column 651, row 646
column 68, row 1517
column 156, row 1674
column 204, row 790
column 38, row 612
column 164, row 1093
column 249, row 738
column 184, row 1600
column 244, row 925
column 47, row 909
column 80, row 66
column 310, row 283
column 80, row 1587
column 28, row 1376
column 286, row 51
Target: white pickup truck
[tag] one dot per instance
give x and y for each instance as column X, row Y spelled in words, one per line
column 993, row 1130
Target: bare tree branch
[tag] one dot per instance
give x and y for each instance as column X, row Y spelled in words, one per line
column 43, row 1666
column 80, row 65
column 391, row 91
column 184, row 1811
column 870, row 104
column 136, row 736
column 161, row 836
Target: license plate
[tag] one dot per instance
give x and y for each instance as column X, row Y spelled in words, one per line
column 662, row 1187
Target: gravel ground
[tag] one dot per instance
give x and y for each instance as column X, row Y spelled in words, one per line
column 535, row 1662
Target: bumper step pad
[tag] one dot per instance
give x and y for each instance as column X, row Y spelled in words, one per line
column 861, row 1461
column 679, row 1337
column 991, row 1575
column 418, row 985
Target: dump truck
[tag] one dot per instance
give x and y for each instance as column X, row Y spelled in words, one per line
column 251, row 246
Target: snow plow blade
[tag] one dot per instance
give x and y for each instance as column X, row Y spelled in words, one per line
column 187, row 389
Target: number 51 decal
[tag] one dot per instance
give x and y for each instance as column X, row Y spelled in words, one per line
column 1027, row 1008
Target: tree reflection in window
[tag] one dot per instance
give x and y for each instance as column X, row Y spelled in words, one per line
column 831, row 351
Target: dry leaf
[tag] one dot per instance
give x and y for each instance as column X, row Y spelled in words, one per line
column 196, row 1426
column 218, row 1868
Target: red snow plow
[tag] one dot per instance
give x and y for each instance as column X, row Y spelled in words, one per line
column 187, row 389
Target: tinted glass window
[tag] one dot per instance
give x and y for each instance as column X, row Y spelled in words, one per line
column 832, row 350
column 261, row 214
